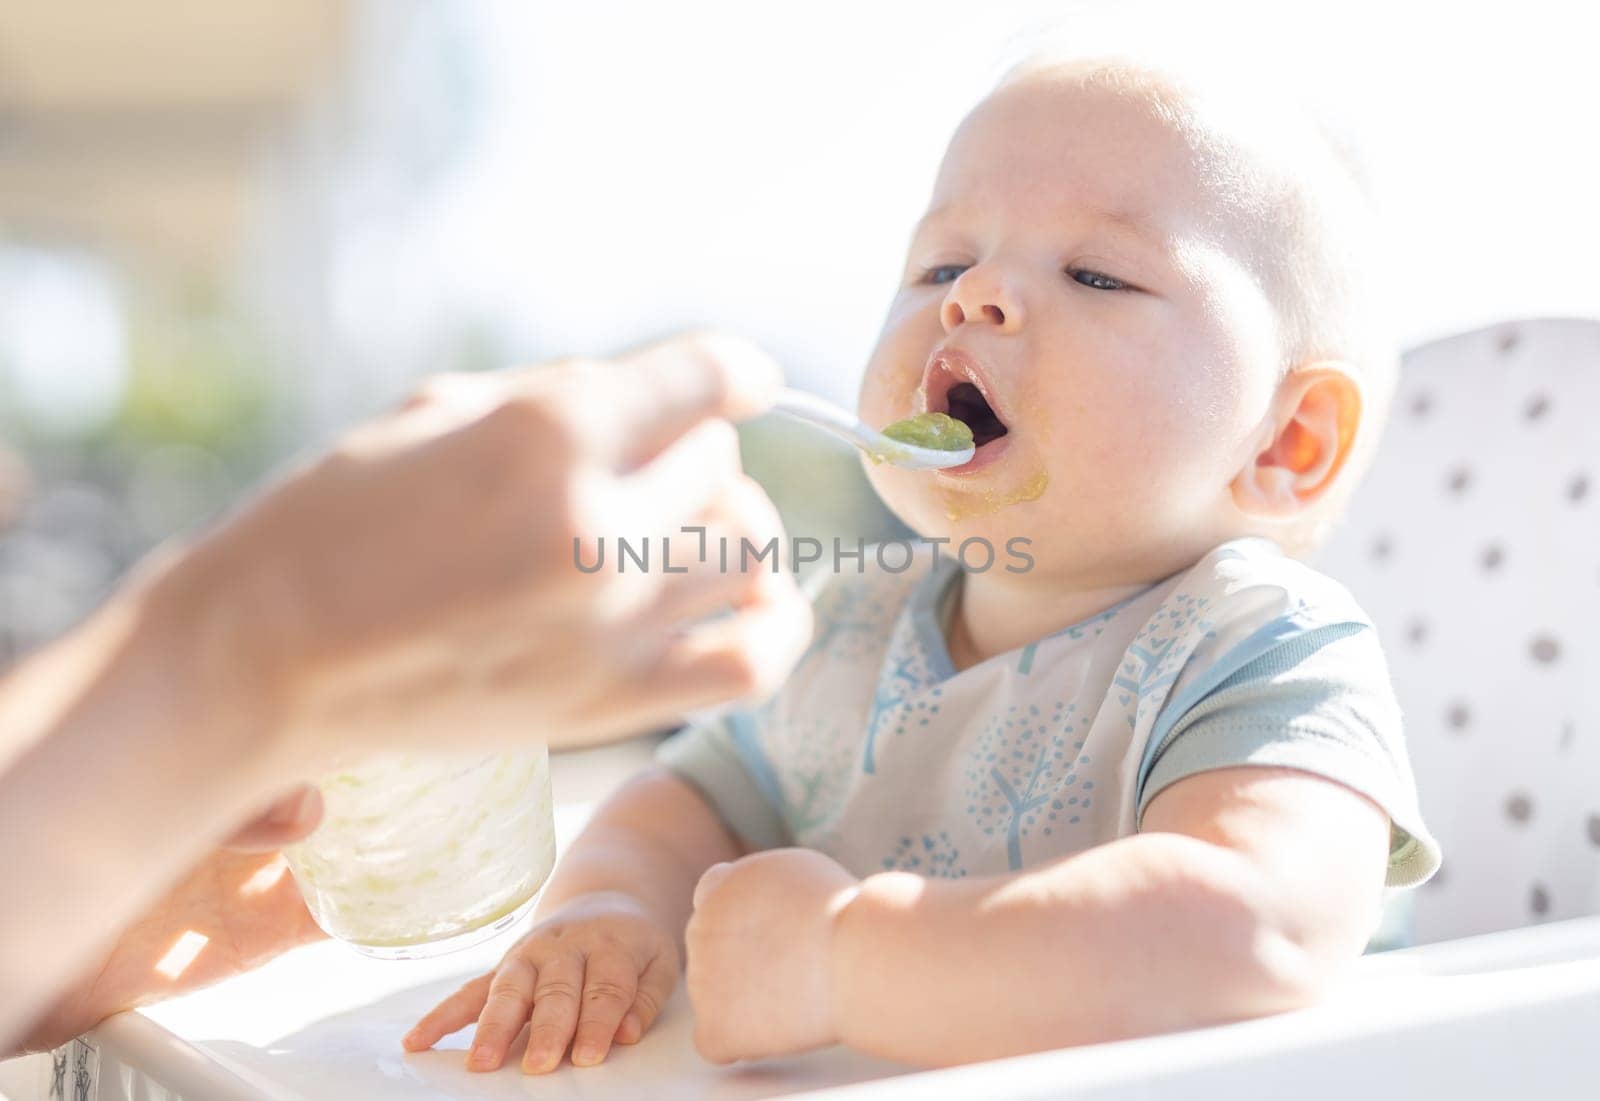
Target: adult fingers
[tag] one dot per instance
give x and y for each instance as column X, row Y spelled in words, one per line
column 457, row 1011
column 289, row 818
column 647, row 510
column 555, row 1013
column 710, row 667
column 681, row 482
column 642, row 400
column 676, row 666
column 505, row 1010
column 445, row 388
column 610, row 982
column 742, row 657
column 742, row 537
column 655, row 986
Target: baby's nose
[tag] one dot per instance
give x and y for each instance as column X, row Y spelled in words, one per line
column 981, row 295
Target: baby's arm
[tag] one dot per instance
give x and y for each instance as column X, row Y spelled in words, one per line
column 606, row 946
column 651, row 840
column 1245, row 893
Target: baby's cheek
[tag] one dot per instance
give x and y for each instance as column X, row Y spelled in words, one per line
column 888, row 391
column 874, row 404
column 1125, row 462
column 894, row 371
column 1161, row 414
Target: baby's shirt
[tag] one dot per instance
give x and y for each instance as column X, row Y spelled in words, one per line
column 879, row 754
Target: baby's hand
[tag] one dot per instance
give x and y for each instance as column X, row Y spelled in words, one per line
column 597, row 970
column 760, row 947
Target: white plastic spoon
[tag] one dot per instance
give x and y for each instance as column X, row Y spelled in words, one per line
column 850, row 428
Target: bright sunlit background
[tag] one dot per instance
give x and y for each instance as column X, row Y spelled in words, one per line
column 227, row 230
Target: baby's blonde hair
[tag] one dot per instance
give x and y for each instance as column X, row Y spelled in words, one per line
column 1296, row 190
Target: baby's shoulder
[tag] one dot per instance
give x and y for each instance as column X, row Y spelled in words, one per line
column 1242, row 601
column 1253, row 579
column 1248, row 610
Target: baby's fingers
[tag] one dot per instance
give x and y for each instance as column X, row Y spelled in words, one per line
column 610, row 983
column 655, row 985
column 505, row 1011
column 457, row 1011
column 555, row 1013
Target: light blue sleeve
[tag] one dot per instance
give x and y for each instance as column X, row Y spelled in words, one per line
column 1318, row 700
column 724, row 761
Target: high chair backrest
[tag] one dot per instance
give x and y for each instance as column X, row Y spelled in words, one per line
column 1474, row 543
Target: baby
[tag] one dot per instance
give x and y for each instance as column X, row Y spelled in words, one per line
column 1146, row 774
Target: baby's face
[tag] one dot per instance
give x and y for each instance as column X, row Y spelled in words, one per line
column 1073, row 296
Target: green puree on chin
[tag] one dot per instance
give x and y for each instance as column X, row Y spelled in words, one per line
column 938, row 431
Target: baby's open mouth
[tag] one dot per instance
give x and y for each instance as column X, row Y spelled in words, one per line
column 967, row 404
column 957, row 384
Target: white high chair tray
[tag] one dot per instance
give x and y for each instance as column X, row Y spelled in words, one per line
column 1513, row 1012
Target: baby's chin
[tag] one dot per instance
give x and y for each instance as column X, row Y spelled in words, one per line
column 996, row 504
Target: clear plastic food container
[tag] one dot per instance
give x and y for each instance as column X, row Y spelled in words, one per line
column 420, row 854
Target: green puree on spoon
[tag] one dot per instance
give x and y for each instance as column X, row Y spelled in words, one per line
column 938, row 431
column 929, row 441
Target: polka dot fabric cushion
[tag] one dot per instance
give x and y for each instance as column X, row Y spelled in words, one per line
column 1475, row 545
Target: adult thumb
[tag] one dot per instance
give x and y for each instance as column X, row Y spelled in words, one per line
column 288, row 819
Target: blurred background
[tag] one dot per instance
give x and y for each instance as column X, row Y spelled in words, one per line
column 229, row 230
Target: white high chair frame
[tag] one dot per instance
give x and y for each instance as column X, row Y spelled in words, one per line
column 1474, row 543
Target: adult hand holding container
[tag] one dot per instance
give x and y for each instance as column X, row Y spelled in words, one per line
column 411, row 590
column 426, row 851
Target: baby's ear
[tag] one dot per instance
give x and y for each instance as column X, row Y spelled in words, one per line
column 1304, row 443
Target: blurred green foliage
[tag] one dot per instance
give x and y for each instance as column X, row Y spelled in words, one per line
column 205, row 382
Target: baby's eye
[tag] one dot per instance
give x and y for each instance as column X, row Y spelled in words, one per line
column 944, row 273
column 1097, row 280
